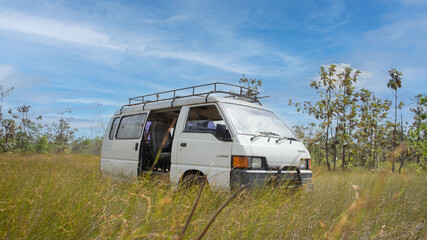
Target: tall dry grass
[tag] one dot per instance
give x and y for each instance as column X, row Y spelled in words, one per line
column 65, row 197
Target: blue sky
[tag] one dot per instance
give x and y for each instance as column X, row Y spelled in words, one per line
column 91, row 56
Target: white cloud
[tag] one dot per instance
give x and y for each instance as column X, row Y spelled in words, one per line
column 89, row 101
column 7, row 76
column 407, row 33
column 6, row 71
column 10, row 77
column 158, row 43
column 51, row 28
column 80, row 34
column 197, row 57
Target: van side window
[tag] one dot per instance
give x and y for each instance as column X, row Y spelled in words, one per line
column 114, row 128
column 130, row 127
column 203, row 119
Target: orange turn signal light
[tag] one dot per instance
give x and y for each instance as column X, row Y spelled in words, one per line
column 240, row 162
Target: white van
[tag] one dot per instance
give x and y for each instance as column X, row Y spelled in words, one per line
column 225, row 136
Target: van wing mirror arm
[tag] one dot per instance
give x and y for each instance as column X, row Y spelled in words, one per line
column 227, row 136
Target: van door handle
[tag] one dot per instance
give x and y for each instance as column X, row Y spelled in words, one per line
column 183, row 144
column 136, row 146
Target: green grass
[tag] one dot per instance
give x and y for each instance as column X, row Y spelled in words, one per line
column 65, row 197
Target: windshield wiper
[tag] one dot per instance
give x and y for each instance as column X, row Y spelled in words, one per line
column 287, row 138
column 269, row 133
column 257, row 136
column 264, row 134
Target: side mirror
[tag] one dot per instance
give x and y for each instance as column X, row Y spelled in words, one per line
column 227, row 136
column 222, row 133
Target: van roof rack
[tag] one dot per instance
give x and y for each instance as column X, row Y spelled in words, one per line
column 231, row 91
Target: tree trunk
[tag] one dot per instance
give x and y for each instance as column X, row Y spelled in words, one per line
column 370, row 151
column 376, row 159
column 334, row 145
column 335, row 154
column 326, row 145
column 348, row 158
column 362, row 158
column 327, row 130
column 395, row 123
column 343, row 146
column 402, row 156
column 402, row 162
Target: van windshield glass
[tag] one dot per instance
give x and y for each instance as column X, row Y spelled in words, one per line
column 254, row 121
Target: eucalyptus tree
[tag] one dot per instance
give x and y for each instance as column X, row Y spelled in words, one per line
column 334, row 128
column 345, row 99
column 28, row 130
column 4, row 92
column 9, row 126
column 22, row 135
column 360, row 136
column 379, row 110
column 395, row 83
column 61, row 131
column 321, row 109
column 418, row 130
column 10, row 129
column 373, row 112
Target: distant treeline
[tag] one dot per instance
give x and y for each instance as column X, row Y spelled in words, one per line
column 19, row 133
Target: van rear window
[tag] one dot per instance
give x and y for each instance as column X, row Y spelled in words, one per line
column 130, row 127
column 113, row 128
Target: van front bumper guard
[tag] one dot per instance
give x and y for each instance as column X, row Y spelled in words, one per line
column 292, row 178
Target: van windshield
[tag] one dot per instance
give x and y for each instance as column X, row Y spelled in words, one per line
column 254, row 121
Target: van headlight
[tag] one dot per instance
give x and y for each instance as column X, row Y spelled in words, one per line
column 256, row 162
column 247, row 162
column 305, row 164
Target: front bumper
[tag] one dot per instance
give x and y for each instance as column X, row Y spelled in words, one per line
column 292, row 178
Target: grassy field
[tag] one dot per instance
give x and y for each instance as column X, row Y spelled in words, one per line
column 65, row 197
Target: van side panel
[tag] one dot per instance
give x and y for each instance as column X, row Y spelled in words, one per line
column 116, row 167
column 121, row 156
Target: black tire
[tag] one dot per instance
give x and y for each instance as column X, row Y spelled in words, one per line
column 192, row 180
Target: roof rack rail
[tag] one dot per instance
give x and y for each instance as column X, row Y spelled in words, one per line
column 234, row 91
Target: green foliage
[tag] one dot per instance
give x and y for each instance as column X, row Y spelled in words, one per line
column 252, row 85
column 87, row 145
column 62, row 132
column 353, row 126
column 19, row 133
column 418, row 130
column 42, row 145
column 65, row 197
column 396, row 81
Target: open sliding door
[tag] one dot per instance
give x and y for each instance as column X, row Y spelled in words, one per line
column 121, row 154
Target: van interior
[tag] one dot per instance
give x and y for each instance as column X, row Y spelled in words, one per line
column 157, row 141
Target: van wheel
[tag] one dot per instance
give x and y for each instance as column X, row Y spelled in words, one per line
column 192, row 179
